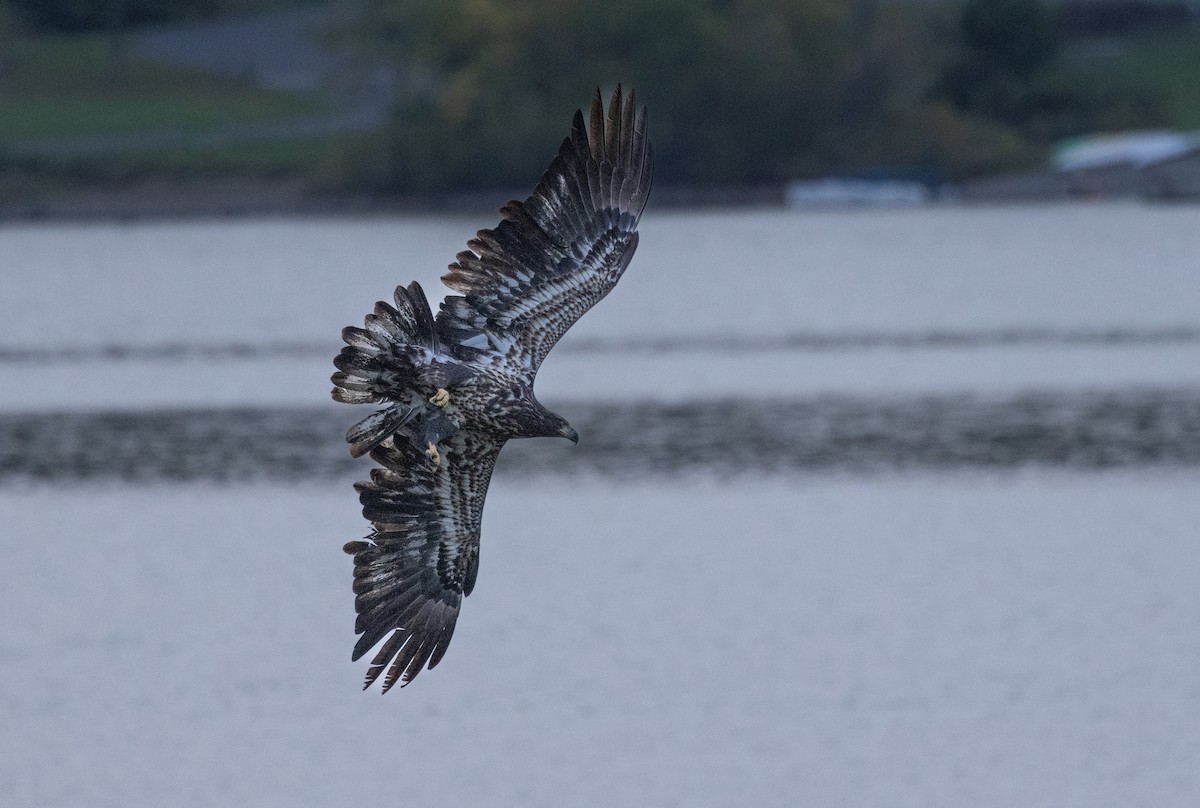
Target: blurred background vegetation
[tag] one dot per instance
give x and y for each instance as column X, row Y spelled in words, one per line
column 420, row 96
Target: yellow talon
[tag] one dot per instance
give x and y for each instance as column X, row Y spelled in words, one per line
column 441, row 398
column 431, row 451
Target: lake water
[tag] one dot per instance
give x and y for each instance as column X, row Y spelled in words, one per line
column 869, row 508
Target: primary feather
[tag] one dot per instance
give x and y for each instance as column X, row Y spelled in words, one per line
column 555, row 255
column 523, row 284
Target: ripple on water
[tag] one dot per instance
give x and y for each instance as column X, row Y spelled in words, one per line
column 1077, row 430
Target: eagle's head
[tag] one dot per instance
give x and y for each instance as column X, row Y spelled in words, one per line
column 568, row 432
column 542, row 423
column 557, row 427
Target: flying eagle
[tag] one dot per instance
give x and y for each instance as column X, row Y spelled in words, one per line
column 458, row 385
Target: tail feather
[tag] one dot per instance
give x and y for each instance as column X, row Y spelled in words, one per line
column 390, row 353
column 378, row 427
column 422, row 318
column 396, row 359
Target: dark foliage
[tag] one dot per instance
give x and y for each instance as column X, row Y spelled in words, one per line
column 71, row 16
column 1004, row 46
column 1120, row 17
column 1005, row 72
column 741, row 90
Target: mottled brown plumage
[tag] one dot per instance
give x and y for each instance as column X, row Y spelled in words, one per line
column 460, row 385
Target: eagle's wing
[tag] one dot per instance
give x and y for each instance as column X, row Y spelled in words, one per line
column 555, row 255
column 423, row 553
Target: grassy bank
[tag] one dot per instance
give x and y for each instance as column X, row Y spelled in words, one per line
column 161, row 121
column 56, row 91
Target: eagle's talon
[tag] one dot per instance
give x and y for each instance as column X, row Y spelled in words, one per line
column 431, row 451
column 441, row 398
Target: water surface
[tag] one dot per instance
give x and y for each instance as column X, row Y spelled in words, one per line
column 870, row 509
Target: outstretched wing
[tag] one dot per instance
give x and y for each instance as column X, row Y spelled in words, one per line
column 555, row 255
column 423, row 554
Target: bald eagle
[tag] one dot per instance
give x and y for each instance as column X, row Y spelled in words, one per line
column 459, row 385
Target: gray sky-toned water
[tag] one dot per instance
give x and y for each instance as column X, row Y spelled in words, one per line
column 936, row 547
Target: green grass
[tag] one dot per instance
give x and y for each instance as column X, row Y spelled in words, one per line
column 1162, row 69
column 307, row 159
column 72, row 86
column 267, row 159
column 1170, row 62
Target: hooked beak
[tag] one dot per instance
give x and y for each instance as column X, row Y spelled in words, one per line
column 569, row 433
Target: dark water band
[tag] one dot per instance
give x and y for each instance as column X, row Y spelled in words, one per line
column 1079, row 430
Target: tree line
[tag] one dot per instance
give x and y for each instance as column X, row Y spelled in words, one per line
column 740, row 91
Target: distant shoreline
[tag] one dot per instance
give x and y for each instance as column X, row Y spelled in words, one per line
column 177, row 199
column 168, row 199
